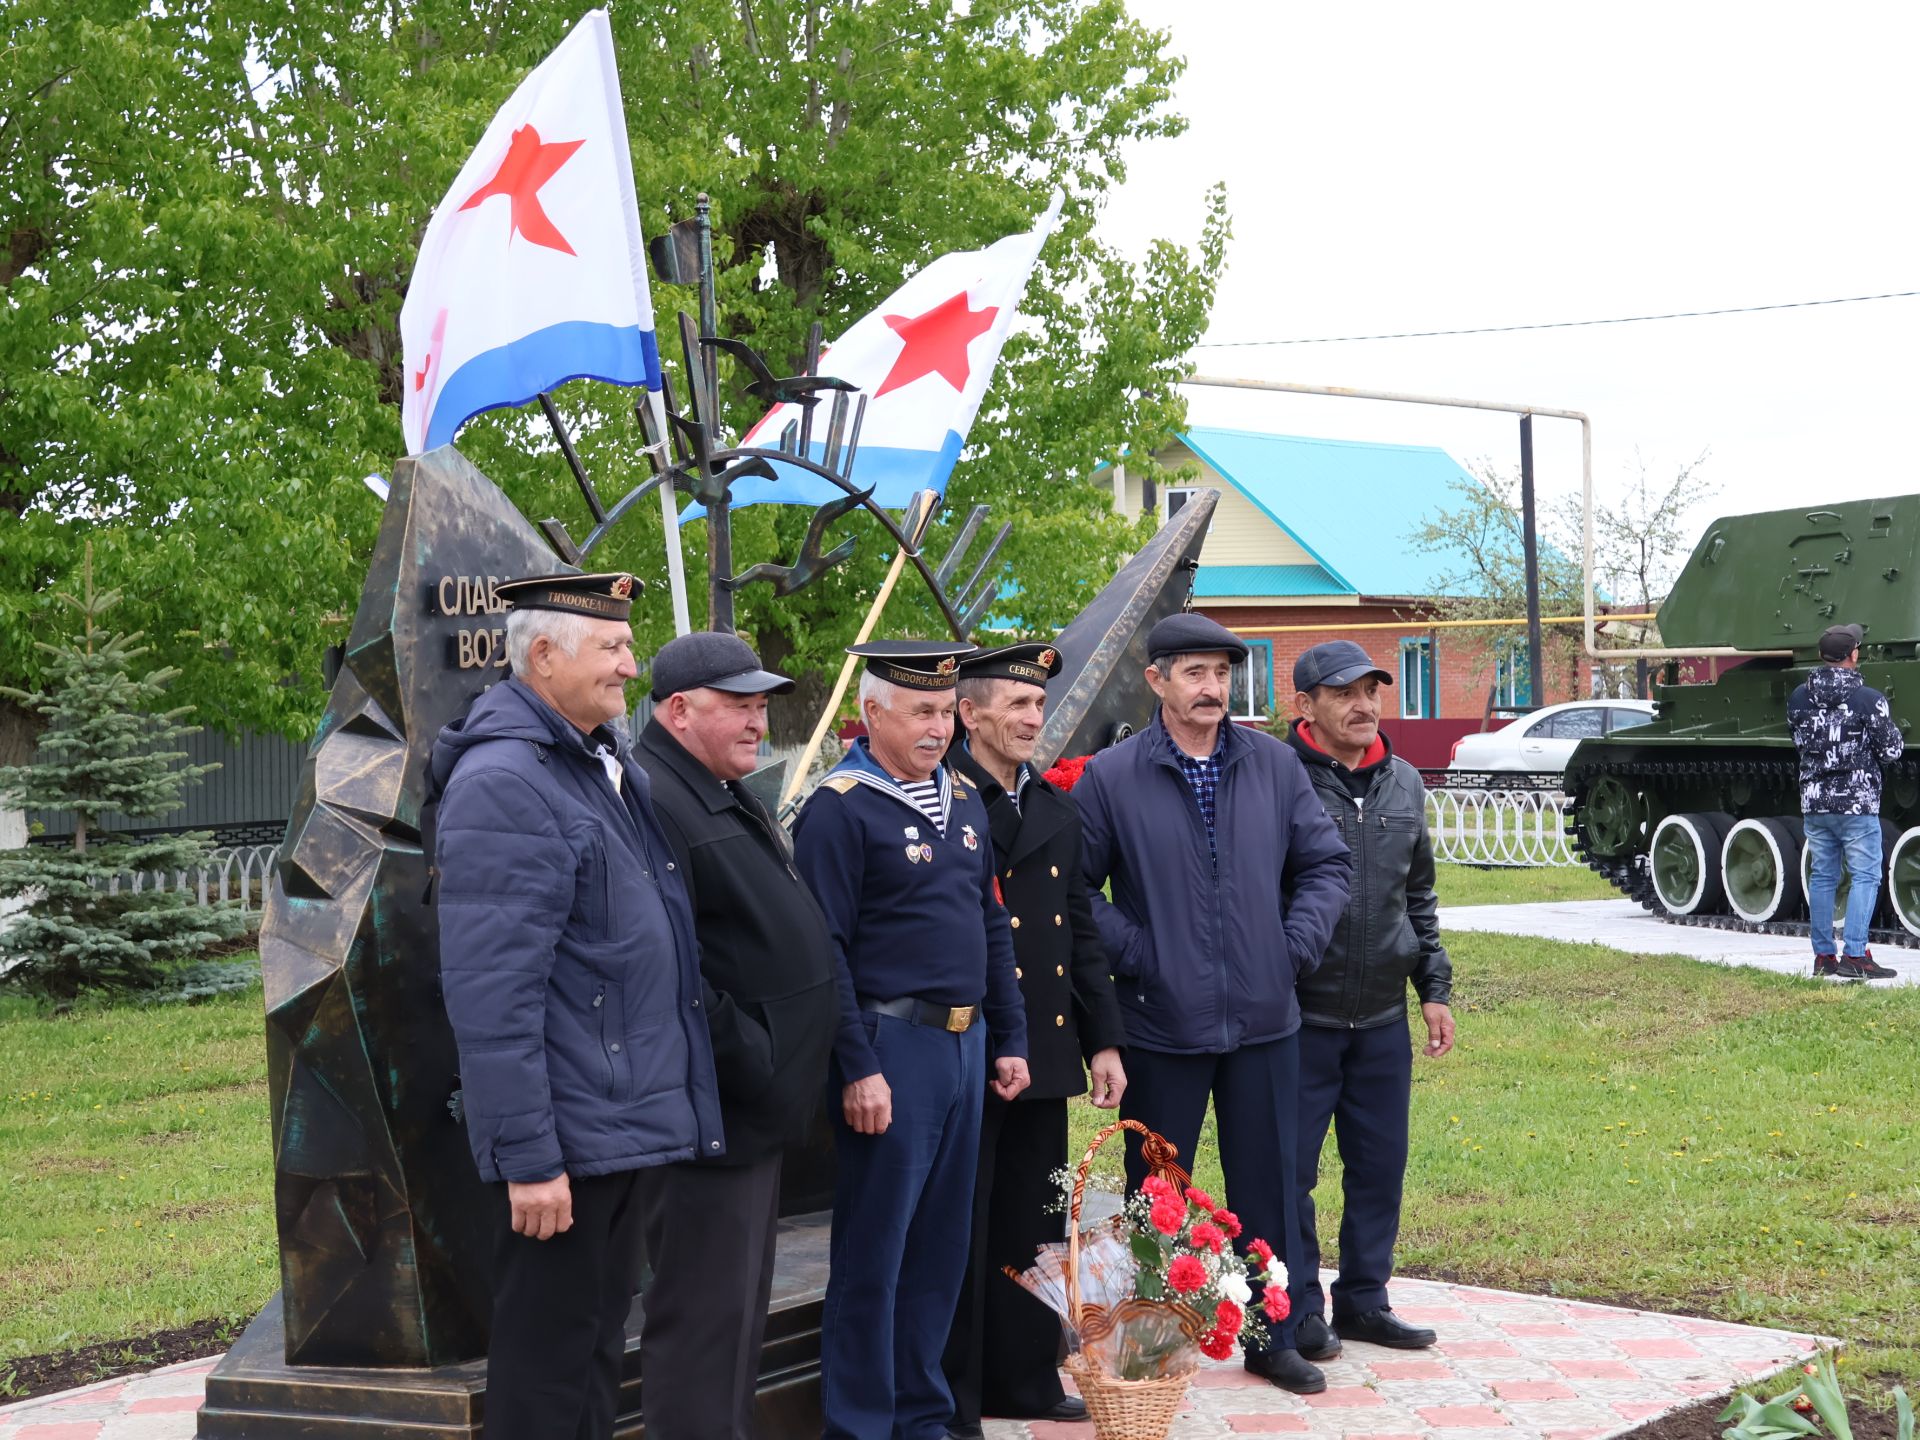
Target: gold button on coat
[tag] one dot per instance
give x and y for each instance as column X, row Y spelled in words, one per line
column 1015, row 922
column 1018, row 973
column 1054, row 871
column 1056, row 919
column 1059, row 1020
column 1059, row 969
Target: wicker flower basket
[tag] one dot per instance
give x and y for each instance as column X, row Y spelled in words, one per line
column 1121, row 1409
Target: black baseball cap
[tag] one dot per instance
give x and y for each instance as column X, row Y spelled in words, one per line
column 1335, row 663
column 713, row 660
column 1839, row 641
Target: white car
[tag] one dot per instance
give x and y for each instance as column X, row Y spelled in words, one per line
column 1544, row 740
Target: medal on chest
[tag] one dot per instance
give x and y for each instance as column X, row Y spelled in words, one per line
column 968, row 838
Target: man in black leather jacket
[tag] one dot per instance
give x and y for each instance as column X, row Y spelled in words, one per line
column 1356, row 1062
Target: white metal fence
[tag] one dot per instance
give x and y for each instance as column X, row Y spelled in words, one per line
column 1475, row 826
column 236, row 876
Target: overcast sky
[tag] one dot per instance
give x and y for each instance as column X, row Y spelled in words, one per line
column 1395, row 167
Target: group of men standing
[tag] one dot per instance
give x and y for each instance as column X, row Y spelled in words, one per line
column 651, row 987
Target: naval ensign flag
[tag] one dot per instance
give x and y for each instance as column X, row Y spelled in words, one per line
column 532, row 271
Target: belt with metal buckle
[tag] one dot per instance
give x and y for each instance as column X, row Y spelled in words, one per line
column 958, row 1019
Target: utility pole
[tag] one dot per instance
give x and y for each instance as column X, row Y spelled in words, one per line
column 1530, row 545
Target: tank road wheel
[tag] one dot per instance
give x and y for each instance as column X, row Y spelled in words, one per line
column 1684, row 861
column 1615, row 817
column 1757, row 867
column 1903, row 880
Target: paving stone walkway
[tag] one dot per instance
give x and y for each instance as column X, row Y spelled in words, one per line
column 1508, row 1367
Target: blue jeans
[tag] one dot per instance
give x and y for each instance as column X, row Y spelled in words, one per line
column 1859, row 837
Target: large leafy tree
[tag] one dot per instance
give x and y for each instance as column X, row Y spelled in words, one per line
column 208, row 216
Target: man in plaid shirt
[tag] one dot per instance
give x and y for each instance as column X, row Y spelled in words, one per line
column 1228, row 880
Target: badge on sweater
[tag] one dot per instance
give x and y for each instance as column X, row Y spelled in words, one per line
column 968, row 838
column 913, row 832
column 913, row 854
column 926, row 853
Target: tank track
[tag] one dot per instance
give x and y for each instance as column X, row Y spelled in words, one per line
column 1630, row 876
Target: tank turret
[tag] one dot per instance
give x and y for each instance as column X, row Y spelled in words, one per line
column 1697, row 815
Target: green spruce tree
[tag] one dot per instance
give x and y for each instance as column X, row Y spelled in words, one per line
column 105, row 751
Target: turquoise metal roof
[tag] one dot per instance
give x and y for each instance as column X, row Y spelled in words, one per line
column 1213, row 582
column 1351, row 504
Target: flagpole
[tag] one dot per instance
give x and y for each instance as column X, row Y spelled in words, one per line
column 920, row 513
column 670, row 524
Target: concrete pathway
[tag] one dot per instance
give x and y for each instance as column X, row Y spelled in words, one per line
column 1623, row 925
column 1508, row 1367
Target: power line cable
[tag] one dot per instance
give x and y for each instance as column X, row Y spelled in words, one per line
column 1558, row 324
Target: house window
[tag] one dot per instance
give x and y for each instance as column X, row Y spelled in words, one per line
column 1177, row 496
column 1251, row 696
column 1512, row 686
column 1416, row 680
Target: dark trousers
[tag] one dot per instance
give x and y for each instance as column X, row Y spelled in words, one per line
column 710, row 1233
column 901, row 1203
column 1361, row 1080
column 1255, row 1110
column 1004, row 1353
column 560, row 1317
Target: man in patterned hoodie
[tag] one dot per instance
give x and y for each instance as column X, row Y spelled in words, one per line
column 1845, row 733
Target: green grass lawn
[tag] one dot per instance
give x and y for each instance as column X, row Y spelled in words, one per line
column 1511, row 885
column 136, row 1164
column 1651, row 1130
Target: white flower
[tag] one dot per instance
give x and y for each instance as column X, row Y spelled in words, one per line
column 1276, row 1272
column 1235, row 1288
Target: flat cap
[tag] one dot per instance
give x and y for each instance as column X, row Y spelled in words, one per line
column 1034, row 662
column 1187, row 633
column 607, row 596
column 712, row 660
column 1839, row 641
column 1335, row 663
column 915, row 664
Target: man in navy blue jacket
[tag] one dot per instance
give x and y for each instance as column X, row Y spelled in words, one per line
column 899, row 851
column 568, row 964
column 1228, row 880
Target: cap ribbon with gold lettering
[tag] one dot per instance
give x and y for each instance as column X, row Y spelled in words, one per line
column 914, row 664
column 607, row 596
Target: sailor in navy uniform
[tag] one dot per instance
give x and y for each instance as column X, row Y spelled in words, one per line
column 898, row 851
column 1002, row 1355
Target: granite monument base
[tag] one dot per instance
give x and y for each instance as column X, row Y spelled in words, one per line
column 254, row 1393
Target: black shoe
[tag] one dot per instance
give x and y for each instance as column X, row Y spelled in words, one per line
column 1315, row 1341
column 960, row 1430
column 1287, row 1369
column 1826, row 967
column 1383, row 1327
column 1863, row 967
column 1070, row 1409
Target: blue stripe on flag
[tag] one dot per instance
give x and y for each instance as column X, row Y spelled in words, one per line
column 515, row 373
column 895, row 475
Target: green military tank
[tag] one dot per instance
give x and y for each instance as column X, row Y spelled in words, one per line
column 1697, row 815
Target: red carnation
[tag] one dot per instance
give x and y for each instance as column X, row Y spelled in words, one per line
column 1216, row 1345
column 1154, row 1188
column 1186, row 1274
column 1276, row 1304
column 1227, row 1221
column 1207, row 1236
column 1167, row 1216
column 1200, row 1198
column 1228, row 1316
column 1065, row 773
column 1261, row 1251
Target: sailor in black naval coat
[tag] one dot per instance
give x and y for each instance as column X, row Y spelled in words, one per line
column 1002, row 1355
column 896, row 848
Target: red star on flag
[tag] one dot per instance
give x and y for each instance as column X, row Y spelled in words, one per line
column 936, row 343
column 528, row 165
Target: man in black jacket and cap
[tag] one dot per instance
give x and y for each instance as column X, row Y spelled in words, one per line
column 766, row 963
column 1003, row 1351
column 1356, row 1060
